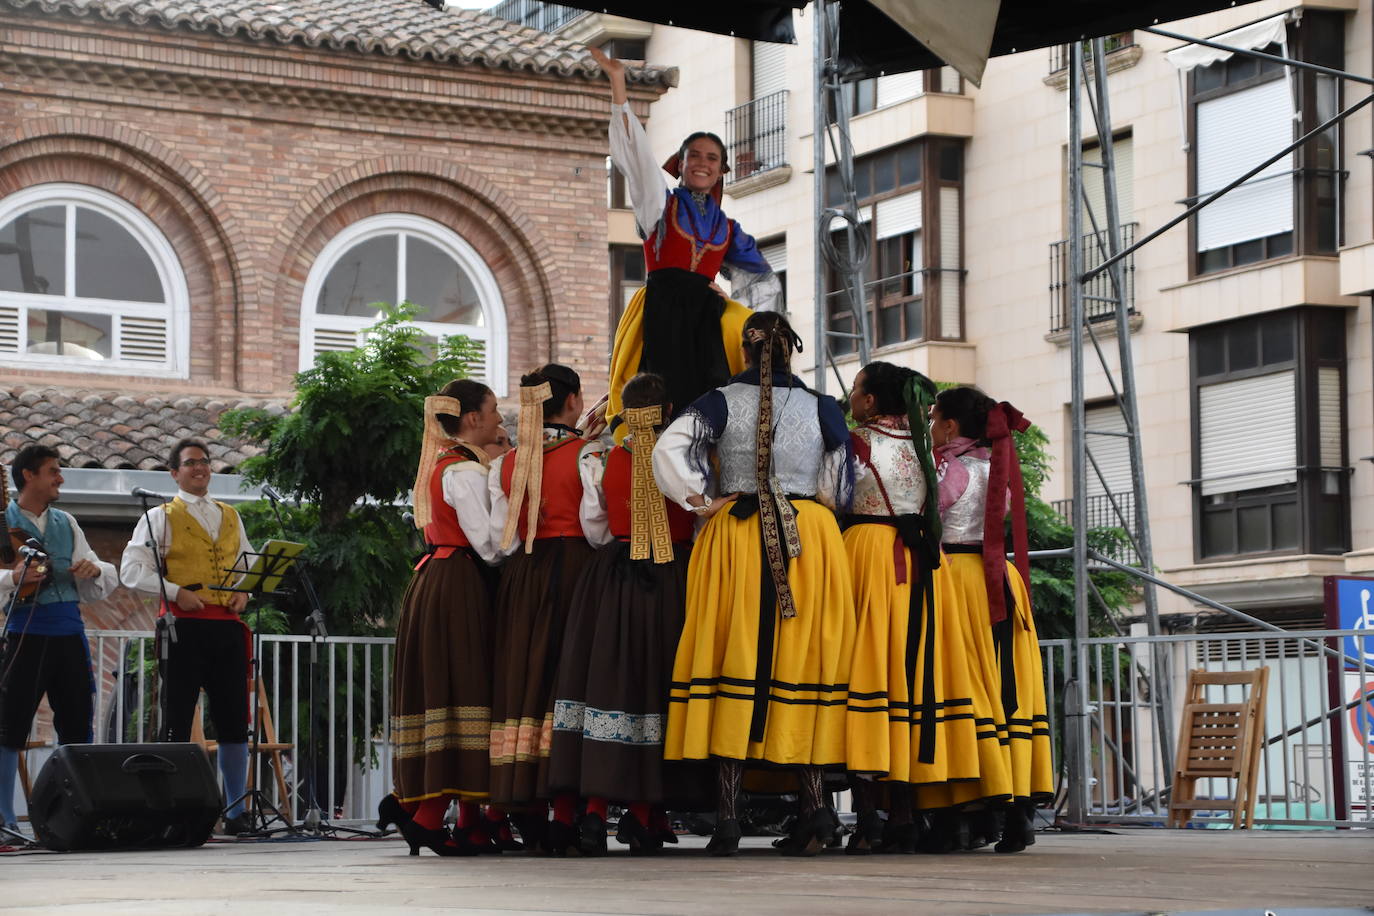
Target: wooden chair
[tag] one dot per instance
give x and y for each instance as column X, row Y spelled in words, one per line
column 24, row 780
column 1219, row 741
column 269, row 745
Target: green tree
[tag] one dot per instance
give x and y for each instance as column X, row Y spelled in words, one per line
column 347, row 450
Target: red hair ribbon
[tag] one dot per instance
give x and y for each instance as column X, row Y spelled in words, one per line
column 1004, row 473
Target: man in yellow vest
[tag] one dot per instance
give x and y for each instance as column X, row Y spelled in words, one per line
column 199, row 538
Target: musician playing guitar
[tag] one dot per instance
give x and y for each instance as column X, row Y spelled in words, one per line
column 45, row 640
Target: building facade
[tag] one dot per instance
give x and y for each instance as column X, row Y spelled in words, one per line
column 1250, row 324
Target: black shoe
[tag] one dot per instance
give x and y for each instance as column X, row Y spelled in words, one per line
column 942, row 835
column 440, row 842
column 561, row 839
column 867, row 836
column 1017, row 833
column 236, row 825
column 500, row 835
column 725, row 838
column 390, row 813
column 810, row 834
column 636, row 836
column 591, row 835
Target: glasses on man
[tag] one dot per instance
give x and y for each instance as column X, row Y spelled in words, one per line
column 195, row 462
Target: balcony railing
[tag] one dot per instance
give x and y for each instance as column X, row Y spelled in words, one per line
column 756, row 134
column 1059, row 54
column 546, row 17
column 1099, row 295
column 1102, row 515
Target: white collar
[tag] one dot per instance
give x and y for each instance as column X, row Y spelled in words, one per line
column 191, row 499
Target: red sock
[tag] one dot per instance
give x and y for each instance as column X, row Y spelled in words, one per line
column 597, row 805
column 641, row 812
column 495, row 813
column 469, row 815
column 430, row 814
column 410, row 808
column 565, row 808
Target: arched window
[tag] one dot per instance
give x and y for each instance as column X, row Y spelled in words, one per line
column 396, row 257
column 87, row 282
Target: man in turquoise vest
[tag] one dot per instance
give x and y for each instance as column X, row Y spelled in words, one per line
column 199, row 538
column 45, row 641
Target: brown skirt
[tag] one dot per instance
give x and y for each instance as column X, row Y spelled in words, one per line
column 532, row 605
column 611, row 698
column 441, row 688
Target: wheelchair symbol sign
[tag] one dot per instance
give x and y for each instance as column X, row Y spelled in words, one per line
column 1355, row 603
column 1362, row 717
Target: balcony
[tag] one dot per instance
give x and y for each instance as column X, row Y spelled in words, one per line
column 1100, row 303
column 1102, row 515
column 546, row 17
column 756, row 138
column 1059, row 54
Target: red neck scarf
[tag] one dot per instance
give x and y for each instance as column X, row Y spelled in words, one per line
column 1004, row 473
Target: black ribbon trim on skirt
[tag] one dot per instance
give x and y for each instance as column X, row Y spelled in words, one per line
column 1001, row 635
column 681, row 334
column 747, row 506
column 920, row 628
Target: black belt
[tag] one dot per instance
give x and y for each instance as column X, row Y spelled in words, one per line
column 920, row 629
column 1001, row 634
column 745, row 506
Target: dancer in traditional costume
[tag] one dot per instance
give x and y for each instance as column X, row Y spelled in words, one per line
column 911, row 717
column 680, row 325
column 441, row 687
column 978, row 468
column 626, row 615
column 762, row 669
column 537, row 496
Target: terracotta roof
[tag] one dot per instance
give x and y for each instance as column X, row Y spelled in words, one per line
column 117, row 431
column 391, row 27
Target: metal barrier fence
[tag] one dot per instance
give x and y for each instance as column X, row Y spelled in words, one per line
column 1313, row 764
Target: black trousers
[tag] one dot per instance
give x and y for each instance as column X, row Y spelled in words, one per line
column 59, row 666
column 208, row 655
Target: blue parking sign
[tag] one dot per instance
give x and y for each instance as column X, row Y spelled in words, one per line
column 1350, row 606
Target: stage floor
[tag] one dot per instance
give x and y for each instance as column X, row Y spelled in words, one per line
column 1127, row 870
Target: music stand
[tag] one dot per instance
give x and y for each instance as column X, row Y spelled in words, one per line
column 260, row 573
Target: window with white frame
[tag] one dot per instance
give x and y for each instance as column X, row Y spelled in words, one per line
column 398, row 257
column 87, row 282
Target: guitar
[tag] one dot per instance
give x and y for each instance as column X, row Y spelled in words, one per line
column 9, row 545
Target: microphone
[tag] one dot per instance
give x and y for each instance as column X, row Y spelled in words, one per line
column 32, row 553
column 36, row 544
column 408, row 518
column 141, row 493
column 271, row 493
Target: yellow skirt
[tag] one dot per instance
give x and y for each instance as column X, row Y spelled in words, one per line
column 884, row 725
column 712, row 699
column 629, row 344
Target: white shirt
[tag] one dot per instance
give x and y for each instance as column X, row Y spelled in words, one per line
column 645, row 180
column 591, row 510
column 465, row 490
column 87, row 590
column 138, row 568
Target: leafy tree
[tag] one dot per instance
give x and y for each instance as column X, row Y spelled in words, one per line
column 347, row 450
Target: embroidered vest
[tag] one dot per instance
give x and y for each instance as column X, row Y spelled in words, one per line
column 685, row 249
column 560, row 491
column 194, row 557
column 616, row 485
column 58, row 544
column 444, row 530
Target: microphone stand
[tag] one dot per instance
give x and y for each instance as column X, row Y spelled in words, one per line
column 315, row 821
column 166, row 623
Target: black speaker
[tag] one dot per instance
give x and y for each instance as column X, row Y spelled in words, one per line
column 122, row 796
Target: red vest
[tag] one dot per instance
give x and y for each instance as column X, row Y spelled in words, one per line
column 443, row 529
column 679, row 248
column 616, row 485
column 560, row 491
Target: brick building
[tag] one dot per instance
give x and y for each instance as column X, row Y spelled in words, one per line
column 196, row 198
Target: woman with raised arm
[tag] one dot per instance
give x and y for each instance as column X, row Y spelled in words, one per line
column 680, row 325
column 762, row 669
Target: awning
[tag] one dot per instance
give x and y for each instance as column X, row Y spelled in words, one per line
column 1252, row 37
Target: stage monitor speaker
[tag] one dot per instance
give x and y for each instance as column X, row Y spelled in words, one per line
column 124, row 796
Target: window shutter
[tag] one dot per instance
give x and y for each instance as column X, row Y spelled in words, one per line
column 950, row 280
column 334, row 339
column 9, row 329
column 770, row 68
column 899, row 215
column 1112, row 453
column 1329, row 432
column 775, row 253
column 143, row 340
column 1248, row 425
column 1125, row 185
column 898, row 87
column 1233, row 133
column 949, row 80
column 477, row 366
